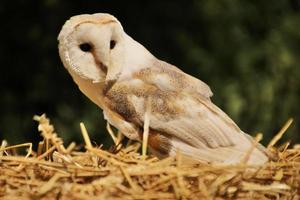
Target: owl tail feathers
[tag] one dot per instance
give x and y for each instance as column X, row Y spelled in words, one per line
column 227, row 155
column 245, row 151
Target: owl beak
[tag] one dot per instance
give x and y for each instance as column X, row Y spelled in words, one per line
column 114, row 70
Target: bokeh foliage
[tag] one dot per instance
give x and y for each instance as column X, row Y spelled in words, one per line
column 247, row 51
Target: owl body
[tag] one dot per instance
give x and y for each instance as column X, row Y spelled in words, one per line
column 122, row 77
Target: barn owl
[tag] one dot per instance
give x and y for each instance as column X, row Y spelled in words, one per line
column 120, row 75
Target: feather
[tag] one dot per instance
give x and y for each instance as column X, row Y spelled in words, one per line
column 182, row 113
column 169, row 78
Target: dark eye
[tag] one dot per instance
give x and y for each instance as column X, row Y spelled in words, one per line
column 86, row 47
column 112, row 44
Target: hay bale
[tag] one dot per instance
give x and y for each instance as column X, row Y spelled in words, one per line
column 56, row 172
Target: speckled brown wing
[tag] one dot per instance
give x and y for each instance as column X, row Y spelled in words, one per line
column 186, row 102
column 167, row 77
column 182, row 112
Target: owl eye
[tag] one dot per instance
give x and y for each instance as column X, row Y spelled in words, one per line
column 86, row 47
column 112, row 44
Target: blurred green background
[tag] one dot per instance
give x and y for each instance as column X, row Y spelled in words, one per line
column 247, row 51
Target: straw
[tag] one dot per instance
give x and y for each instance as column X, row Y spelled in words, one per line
column 55, row 172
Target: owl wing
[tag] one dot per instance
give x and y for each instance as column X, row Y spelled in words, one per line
column 181, row 112
column 168, row 77
column 198, row 122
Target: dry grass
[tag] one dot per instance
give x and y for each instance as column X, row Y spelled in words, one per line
column 58, row 172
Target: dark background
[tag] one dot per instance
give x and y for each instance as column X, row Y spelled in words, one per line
column 247, row 51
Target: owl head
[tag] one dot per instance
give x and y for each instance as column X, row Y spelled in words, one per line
column 92, row 46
